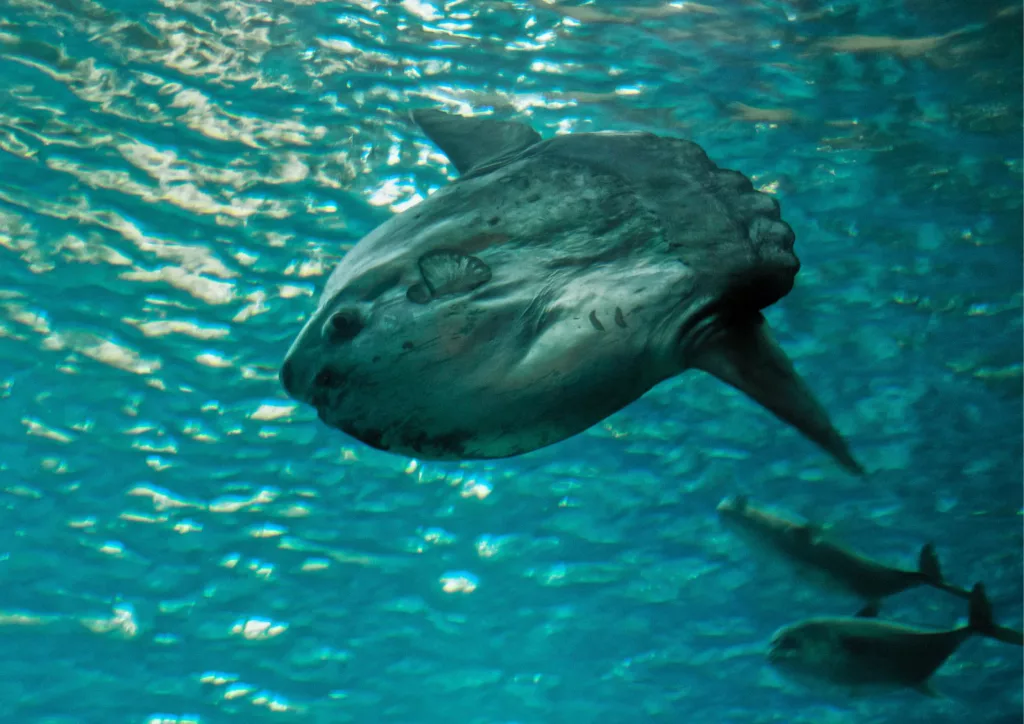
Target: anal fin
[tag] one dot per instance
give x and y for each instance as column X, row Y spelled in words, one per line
column 744, row 355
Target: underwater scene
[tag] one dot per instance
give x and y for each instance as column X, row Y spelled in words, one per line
column 511, row 361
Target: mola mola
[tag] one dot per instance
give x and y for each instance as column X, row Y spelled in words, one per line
column 555, row 282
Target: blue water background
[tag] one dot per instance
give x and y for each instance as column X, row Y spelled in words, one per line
column 180, row 543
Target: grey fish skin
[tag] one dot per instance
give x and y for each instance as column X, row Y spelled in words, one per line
column 829, row 563
column 862, row 654
column 554, row 283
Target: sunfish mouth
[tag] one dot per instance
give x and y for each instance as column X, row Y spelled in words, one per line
column 320, row 389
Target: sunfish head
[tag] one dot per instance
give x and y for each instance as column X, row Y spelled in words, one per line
column 400, row 351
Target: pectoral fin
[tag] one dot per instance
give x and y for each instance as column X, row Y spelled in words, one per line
column 449, row 272
column 745, row 356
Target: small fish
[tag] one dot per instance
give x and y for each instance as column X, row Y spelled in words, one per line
column 861, row 654
column 828, row 563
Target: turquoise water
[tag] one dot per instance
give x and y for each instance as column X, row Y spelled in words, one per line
column 180, row 543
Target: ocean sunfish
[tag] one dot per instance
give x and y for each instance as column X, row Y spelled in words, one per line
column 551, row 285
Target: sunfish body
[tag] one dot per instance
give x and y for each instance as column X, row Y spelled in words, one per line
column 554, row 283
column 836, row 566
column 862, row 654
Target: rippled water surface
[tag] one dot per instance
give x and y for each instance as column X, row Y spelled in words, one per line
column 180, row 543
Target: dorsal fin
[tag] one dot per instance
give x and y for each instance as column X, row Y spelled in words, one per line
column 471, row 142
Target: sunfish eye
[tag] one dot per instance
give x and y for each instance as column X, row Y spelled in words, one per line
column 342, row 326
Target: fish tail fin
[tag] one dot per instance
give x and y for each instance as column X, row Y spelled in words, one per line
column 981, row 622
column 930, row 571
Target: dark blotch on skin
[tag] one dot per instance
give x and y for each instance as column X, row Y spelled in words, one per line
column 328, row 388
column 450, row 443
column 493, row 221
column 453, row 442
column 595, row 321
column 407, row 345
column 371, row 436
column 374, row 438
column 329, row 378
column 619, row 318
